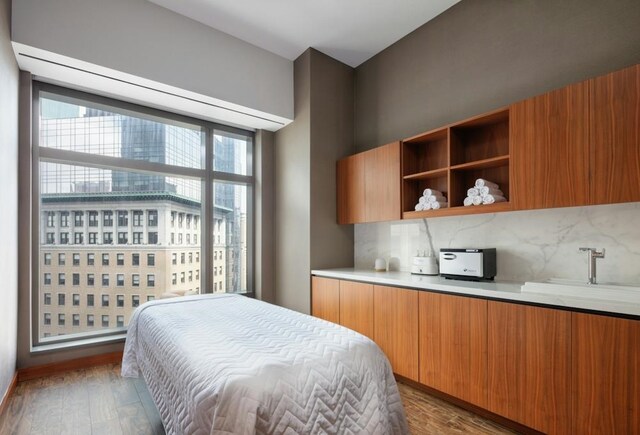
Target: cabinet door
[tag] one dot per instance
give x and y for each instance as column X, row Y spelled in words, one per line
column 550, row 149
column 615, row 137
column 396, row 328
column 606, row 375
column 350, row 183
column 325, row 298
column 382, row 183
column 453, row 345
column 356, row 307
column 529, row 356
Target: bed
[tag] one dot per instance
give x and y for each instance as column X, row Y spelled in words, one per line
column 228, row 364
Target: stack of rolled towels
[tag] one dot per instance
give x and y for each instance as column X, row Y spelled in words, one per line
column 431, row 200
column 484, row 192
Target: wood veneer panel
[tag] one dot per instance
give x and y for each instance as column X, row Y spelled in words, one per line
column 606, row 374
column 550, row 149
column 453, row 346
column 529, row 357
column 325, row 298
column 356, row 307
column 396, row 328
column 382, row 183
column 615, row 137
column 350, row 182
column 65, row 366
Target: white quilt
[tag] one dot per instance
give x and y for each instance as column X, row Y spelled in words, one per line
column 227, row 364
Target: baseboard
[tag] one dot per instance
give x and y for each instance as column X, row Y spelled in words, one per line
column 66, row 366
column 9, row 393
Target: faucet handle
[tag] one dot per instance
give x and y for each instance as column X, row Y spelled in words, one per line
column 593, row 252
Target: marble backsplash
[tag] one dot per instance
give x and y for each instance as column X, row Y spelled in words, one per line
column 532, row 245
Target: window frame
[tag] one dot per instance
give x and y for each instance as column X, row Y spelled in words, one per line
column 205, row 174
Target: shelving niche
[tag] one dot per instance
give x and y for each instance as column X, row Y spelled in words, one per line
column 451, row 158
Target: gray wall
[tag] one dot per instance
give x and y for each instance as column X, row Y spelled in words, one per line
column 307, row 235
column 481, row 55
column 149, row 41
column 9, row 201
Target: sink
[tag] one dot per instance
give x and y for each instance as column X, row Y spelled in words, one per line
column 604, row 291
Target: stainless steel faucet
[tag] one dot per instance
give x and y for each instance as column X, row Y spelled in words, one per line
column 593, row 256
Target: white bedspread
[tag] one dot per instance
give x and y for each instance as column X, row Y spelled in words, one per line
column 222, row 364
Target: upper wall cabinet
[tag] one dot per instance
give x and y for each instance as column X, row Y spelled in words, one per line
column 550, row 149
column 615, row 137
column 369, row 186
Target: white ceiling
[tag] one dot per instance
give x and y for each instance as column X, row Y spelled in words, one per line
column 351, row 31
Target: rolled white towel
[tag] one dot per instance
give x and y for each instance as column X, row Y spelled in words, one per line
column 427, row 206
column 491, row 199
column 436, row 198
column 428, row 192
column 474, row 191
column 477, row 200
column 422, row 200
column 481, row 182
column 468, row 201
column 438, row 205
column 419, row 206
column 484, row 191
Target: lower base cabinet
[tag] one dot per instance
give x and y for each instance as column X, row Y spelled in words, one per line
column 356, row 307
column 453, row 346
column 325, row 298
column 529, row 359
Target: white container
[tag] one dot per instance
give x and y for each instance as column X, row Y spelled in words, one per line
column 424, row 265
column 380, row 265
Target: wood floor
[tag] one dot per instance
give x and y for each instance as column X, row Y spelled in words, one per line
column 99, row 401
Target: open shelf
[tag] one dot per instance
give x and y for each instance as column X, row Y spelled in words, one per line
column 457, row 211
column 426, row 152
column 463, row 179
column 412, row 189
column 436, row 173
column 480, row 138
column 483, row 164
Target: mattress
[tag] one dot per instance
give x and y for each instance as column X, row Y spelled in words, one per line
column 228, row 364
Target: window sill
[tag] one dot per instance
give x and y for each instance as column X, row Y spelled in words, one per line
column 74, row 344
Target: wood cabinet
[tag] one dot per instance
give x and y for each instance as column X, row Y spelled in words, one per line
column 550, row 149
column 369, row 185
column 325, row 298
column 453, row 345
column 606, row 375
column 615, row 137
column 396, row 328
column 529, row 358
column 356, row 307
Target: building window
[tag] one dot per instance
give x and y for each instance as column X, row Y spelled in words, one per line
column 47, row 279
column 90, row 300
column 47, row 259
column 120, row 259
column 107, row 238
column 179, row 238
column 188, row 221
column 188, row 239
column 78, row 220
column 51, row 238
column 105, row 321
column 91, row 279
column 174, row 258
column 123, row 218
column 91, row 259
column 47, row 298
column 173, row 219
column 135, row 259
column 120, row 321
column 120, row 301
column 76, row 259
column 76, row 279
column 151, row 280
column 107, row 218
column 105, row 300
column 197, row 257
column 93, row 238
column 182, row 277
column 152, row 238
column 120, row 280
column 195, row 239
column 137, row 219
column 197, row 273
column 60, row 319
column 64, row 219
column 61, row 278
column 190, row 276
column 137, row 238
column 135, row 280
column 135, row 300
column 182, row 258
column 123, row 238
column 76, row 320
column 78, row 238
column 105, row 280
column 93, row 218
column 151, row 259
column 174, row 278
column 190, row 257
column 51, row 219
column 105, row 259
column 152, row 219
column 47, row 318
column 151, row 298
column 195, row 222
column 64, row 238
column 90, row 320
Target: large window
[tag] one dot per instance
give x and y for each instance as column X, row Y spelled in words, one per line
column 128, row 179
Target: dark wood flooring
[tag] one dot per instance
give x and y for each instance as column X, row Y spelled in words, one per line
column 98, row 401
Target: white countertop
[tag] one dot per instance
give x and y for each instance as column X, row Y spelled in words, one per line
column 509, row 291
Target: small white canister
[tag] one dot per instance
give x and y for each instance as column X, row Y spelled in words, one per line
column 380, row 265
